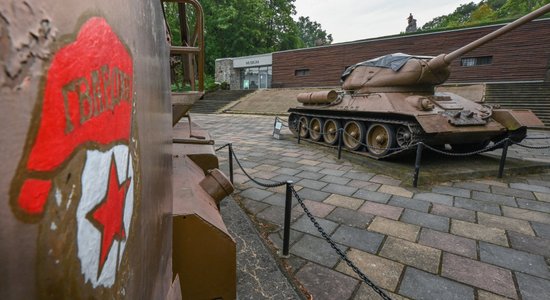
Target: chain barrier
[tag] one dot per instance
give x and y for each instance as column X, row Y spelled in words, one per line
column 222, row 147
column 537, row 138
column 340, row 253
column 313, row 220
column 531, row 147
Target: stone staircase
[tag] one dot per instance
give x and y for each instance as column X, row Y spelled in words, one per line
column 214, row 101
column 533, row 95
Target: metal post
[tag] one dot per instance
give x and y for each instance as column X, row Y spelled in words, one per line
column 299, row 130
column 288, row 210
column 503, row 158
column 231, row 162
column 340, row 137
column 419, row 149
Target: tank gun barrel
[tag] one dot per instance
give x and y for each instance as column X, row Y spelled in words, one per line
column 493, row 35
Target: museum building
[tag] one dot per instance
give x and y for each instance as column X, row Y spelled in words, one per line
column 513, row 69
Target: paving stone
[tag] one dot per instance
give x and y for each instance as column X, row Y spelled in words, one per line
column 543, row 197
column 410, row 203
column 350, row 217
column 492, row 182
column 358, row 175
column 388, row 211
column 425, row 220
column 287, row 171
column 289, row 165
column 343, row 201
column 540, row 182
column 435, row 198
column 484, row 295
column 277, row 238
column 309, row 175
column 453, row 212
column 487, row 207
column 531, row 244
column 479, row 232
column 530, row 187
column 478, row 274
column 542, row 230
column 254, row 207
column 526, row 214
column 318, row 209
column 395, row 190
column 339, row 189
column 326, row 284
column 284, row 178
column 304, row 224
column 335, row 179
column 278, row 199
column 308, row 162
column 312, row 184
column 358, row 238
column 473, row 186
column 332, row 172
column 372, row 196
column 489, row 220
column 416, row 255
column 327, row 165
column 264, row 167
column 533, row 288
column 365, row 292
column 417, row 284
column 307, row 168
column 316, row 250
column 364, row 185
column 382, row 272
column 255, row 194
column 312, row 194
column 514, row 260
column 382, row 179
column 534, row 205
column 494, row 198
column 395, row 228
column 276, row 214
column 295, row 263
column 452, row 191
column 448, row 242
column 512, row 192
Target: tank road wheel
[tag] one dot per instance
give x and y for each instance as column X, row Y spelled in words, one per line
column 380, row 139
column 330, row 130
column 354, row 135
column 303, row 130
column 315, row 127
column 403, row 136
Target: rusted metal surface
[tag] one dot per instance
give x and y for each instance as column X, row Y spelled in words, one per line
column 85, row 206
column 392, row 99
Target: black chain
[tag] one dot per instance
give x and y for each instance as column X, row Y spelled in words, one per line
column 272, row 185
column 224, row 146
column 363, row 277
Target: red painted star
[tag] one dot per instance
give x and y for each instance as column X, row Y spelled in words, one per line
column 107, row 216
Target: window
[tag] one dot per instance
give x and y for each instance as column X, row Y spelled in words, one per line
column 476, row 61
column 301, row 72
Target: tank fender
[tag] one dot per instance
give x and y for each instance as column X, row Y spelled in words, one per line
column 513, row 119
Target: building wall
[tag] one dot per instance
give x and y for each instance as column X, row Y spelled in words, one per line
column 520, row 55
column 226, row 73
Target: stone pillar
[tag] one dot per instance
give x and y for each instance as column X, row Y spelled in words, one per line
column 226, row 73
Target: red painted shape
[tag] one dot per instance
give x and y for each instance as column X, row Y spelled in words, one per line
column 34, row 194
column 87, row 100
column 108, row 215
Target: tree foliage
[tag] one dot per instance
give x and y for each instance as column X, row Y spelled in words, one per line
column 246, row 27
column 487, row 11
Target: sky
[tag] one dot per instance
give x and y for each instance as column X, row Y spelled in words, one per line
column 350, row 20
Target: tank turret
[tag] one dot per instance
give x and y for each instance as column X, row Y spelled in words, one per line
column 389, row 102
column 402, row 72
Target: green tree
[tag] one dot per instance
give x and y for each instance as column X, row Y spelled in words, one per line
column 312, row 34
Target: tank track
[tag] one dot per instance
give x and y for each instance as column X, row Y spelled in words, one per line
column 416, row 131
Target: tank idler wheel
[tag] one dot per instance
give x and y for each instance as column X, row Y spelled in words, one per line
column 315, row 129
column 303, row 129
column 403, row 136
column 330, row 130
column 354, row 135
column 380, row 139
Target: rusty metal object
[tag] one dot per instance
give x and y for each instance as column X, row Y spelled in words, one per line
column 86, row 185
column 393, row 97
column 322, row 97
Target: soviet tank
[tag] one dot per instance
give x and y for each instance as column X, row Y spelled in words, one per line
column 389, row 103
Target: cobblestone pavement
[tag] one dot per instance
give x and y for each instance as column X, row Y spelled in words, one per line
column 479, row 239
